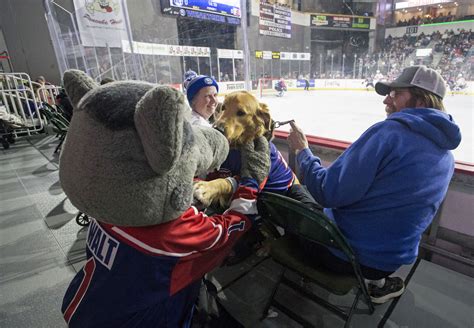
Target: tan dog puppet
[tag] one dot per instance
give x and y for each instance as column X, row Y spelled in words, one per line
column 243, row 118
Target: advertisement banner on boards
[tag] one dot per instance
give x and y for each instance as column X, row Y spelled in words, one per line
column 231, row 86
column 146, row 48
column 100, row 25
column 230, row 54
column 302, row 83
column 295, row 56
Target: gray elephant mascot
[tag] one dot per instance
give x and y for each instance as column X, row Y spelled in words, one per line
column 129, row 161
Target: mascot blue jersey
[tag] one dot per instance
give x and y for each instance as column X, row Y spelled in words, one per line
column 280, row 178
column 150, row 276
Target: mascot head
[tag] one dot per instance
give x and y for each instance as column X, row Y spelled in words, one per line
column 130, row 154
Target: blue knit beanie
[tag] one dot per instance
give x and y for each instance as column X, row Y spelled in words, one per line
column 188, row 76
column 197, row 83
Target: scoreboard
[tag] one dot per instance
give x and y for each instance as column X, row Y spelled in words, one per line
column 223, row 11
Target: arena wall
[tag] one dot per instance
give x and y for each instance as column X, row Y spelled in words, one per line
column 29, row 52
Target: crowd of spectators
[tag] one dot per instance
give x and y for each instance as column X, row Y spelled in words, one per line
column 456, row 58
column 428, row 19
column 451, row 56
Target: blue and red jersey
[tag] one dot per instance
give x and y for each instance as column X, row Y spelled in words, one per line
column 150, row 276
column 280, row 178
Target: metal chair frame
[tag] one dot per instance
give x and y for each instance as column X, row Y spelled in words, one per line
column 59, row 122
column 309, row 224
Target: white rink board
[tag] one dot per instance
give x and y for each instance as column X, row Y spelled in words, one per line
column 345, row 115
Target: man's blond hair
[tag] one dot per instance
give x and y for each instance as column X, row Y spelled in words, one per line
column 430, row 100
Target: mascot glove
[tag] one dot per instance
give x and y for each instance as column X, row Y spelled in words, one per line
column 255, row 158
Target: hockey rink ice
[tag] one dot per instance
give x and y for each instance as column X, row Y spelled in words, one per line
column 345, row 115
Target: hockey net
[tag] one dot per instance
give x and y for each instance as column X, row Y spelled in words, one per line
column 266, row 87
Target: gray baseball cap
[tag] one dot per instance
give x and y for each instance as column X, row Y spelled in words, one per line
column 415, row 76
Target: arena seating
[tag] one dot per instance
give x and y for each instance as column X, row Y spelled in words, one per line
column 451, row 54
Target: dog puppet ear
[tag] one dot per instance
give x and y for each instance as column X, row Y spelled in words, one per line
column 263, row 113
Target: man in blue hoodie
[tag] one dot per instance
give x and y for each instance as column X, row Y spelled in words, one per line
column 385, row 189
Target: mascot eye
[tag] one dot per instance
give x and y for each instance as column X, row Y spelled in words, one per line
column 222, row 108
column 240, row 112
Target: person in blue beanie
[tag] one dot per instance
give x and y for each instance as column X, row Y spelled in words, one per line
column 201, row 91
column 385, row 189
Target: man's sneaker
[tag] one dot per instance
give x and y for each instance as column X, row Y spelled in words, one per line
column 394, row 287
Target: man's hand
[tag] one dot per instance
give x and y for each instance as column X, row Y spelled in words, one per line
column 255, row 158
column 296, row 139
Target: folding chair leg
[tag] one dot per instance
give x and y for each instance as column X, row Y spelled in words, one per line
column 365, row 293
column 353, row 307
column 58, row 147
column 369, row 303
column 270, row 300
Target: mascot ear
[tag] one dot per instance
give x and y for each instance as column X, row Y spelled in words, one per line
column 160, row 123
column 263, row 113
column 77, row 84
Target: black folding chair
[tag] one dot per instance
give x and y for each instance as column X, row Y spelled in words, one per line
column 59, row 123
column 303, row 223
